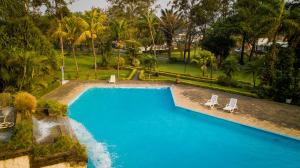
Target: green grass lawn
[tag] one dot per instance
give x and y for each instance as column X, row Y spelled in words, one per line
column 195, row 71
column 86, row 69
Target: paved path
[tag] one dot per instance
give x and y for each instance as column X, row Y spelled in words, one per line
column 277, row 117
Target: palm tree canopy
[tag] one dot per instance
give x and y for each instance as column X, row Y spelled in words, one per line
column 59, row 32
column 170, row 21
column 119, row 27
column 73, row 28
column 93, row 22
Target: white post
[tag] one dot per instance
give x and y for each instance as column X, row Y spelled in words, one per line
column 62, row 75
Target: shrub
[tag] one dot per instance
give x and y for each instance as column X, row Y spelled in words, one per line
column 230, row 66
column 131, row 75
column 25, row 102
column 5, row 99
column 227, row 81
column 142, row 75
column 52, row 108
column 61, row 144
column 21, row 137
column 136, row 62
column 114, row 63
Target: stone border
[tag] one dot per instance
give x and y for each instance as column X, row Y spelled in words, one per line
column 182, row 101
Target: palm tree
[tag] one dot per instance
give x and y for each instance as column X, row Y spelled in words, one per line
column 150, row 62
column 255, row 68
column 203, row 59
column 170, row 21
column 152, row 22
column 229, row 66
column 276, row 17
column 60, row 34
column 72, row 26
column 92, row 23
column 118, row 29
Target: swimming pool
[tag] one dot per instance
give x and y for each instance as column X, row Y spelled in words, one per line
column 142, row 128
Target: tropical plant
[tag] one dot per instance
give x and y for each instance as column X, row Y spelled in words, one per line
column 276, row 17
column 25, row 103
column 170, row 22
column 73, row 25
column 203, row 59
column 92, row 23
column 149, row 62
column 230, row 66
column 254, row 67
column 23, row 70
column 152, row 22
column 5, row 99
column 60, row 34
column 119, row 33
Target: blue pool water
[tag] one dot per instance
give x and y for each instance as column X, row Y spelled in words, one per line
column 142, row 128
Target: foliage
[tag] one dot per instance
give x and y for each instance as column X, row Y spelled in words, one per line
column 23, row 70
column 135, row 62
column 142, row 75
column 115, row 62
column 204, row 58
column 23, row 34
column 5, row 99
column 21, row 137
column 61, row 144
column 254, row 67
column 149, row 62
column 52, row 108
column 219, row 40
column 226, row 81
column 131, row 75
column 93, row 24
column 282, row 87
column 230, row 66
column 25, row 103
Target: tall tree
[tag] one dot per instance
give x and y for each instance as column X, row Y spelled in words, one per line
column 119, row 34
column 73, row 25
column 185, row 8
column 170, row 22
column 276, row 17
column 94, row 21
column 247, row 20
column 152, row 22
column 59, row 33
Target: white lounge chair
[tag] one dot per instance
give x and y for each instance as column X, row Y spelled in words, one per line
column 112, row 79
column 231, row 106
column 212, row 102
column 4, row 123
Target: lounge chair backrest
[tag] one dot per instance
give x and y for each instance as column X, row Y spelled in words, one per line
column 233, row 102
column 214, row 98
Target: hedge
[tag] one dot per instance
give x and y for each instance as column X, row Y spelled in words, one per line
column 221, row 88
column 142, row 77
column 181, row 76
column 131, row 75
column 51, row 108
column 211, row 85
column 186, row 75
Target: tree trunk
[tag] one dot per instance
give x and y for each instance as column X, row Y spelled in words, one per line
column 243, row 49
column 152, row 36
column 119, row 63
column 95, row 58
column 185, row 49
column 75, row 60
column 253, row 49
column 169, row 50
column 62, row 51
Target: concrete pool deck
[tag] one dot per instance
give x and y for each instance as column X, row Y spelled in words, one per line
column 260, row 113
